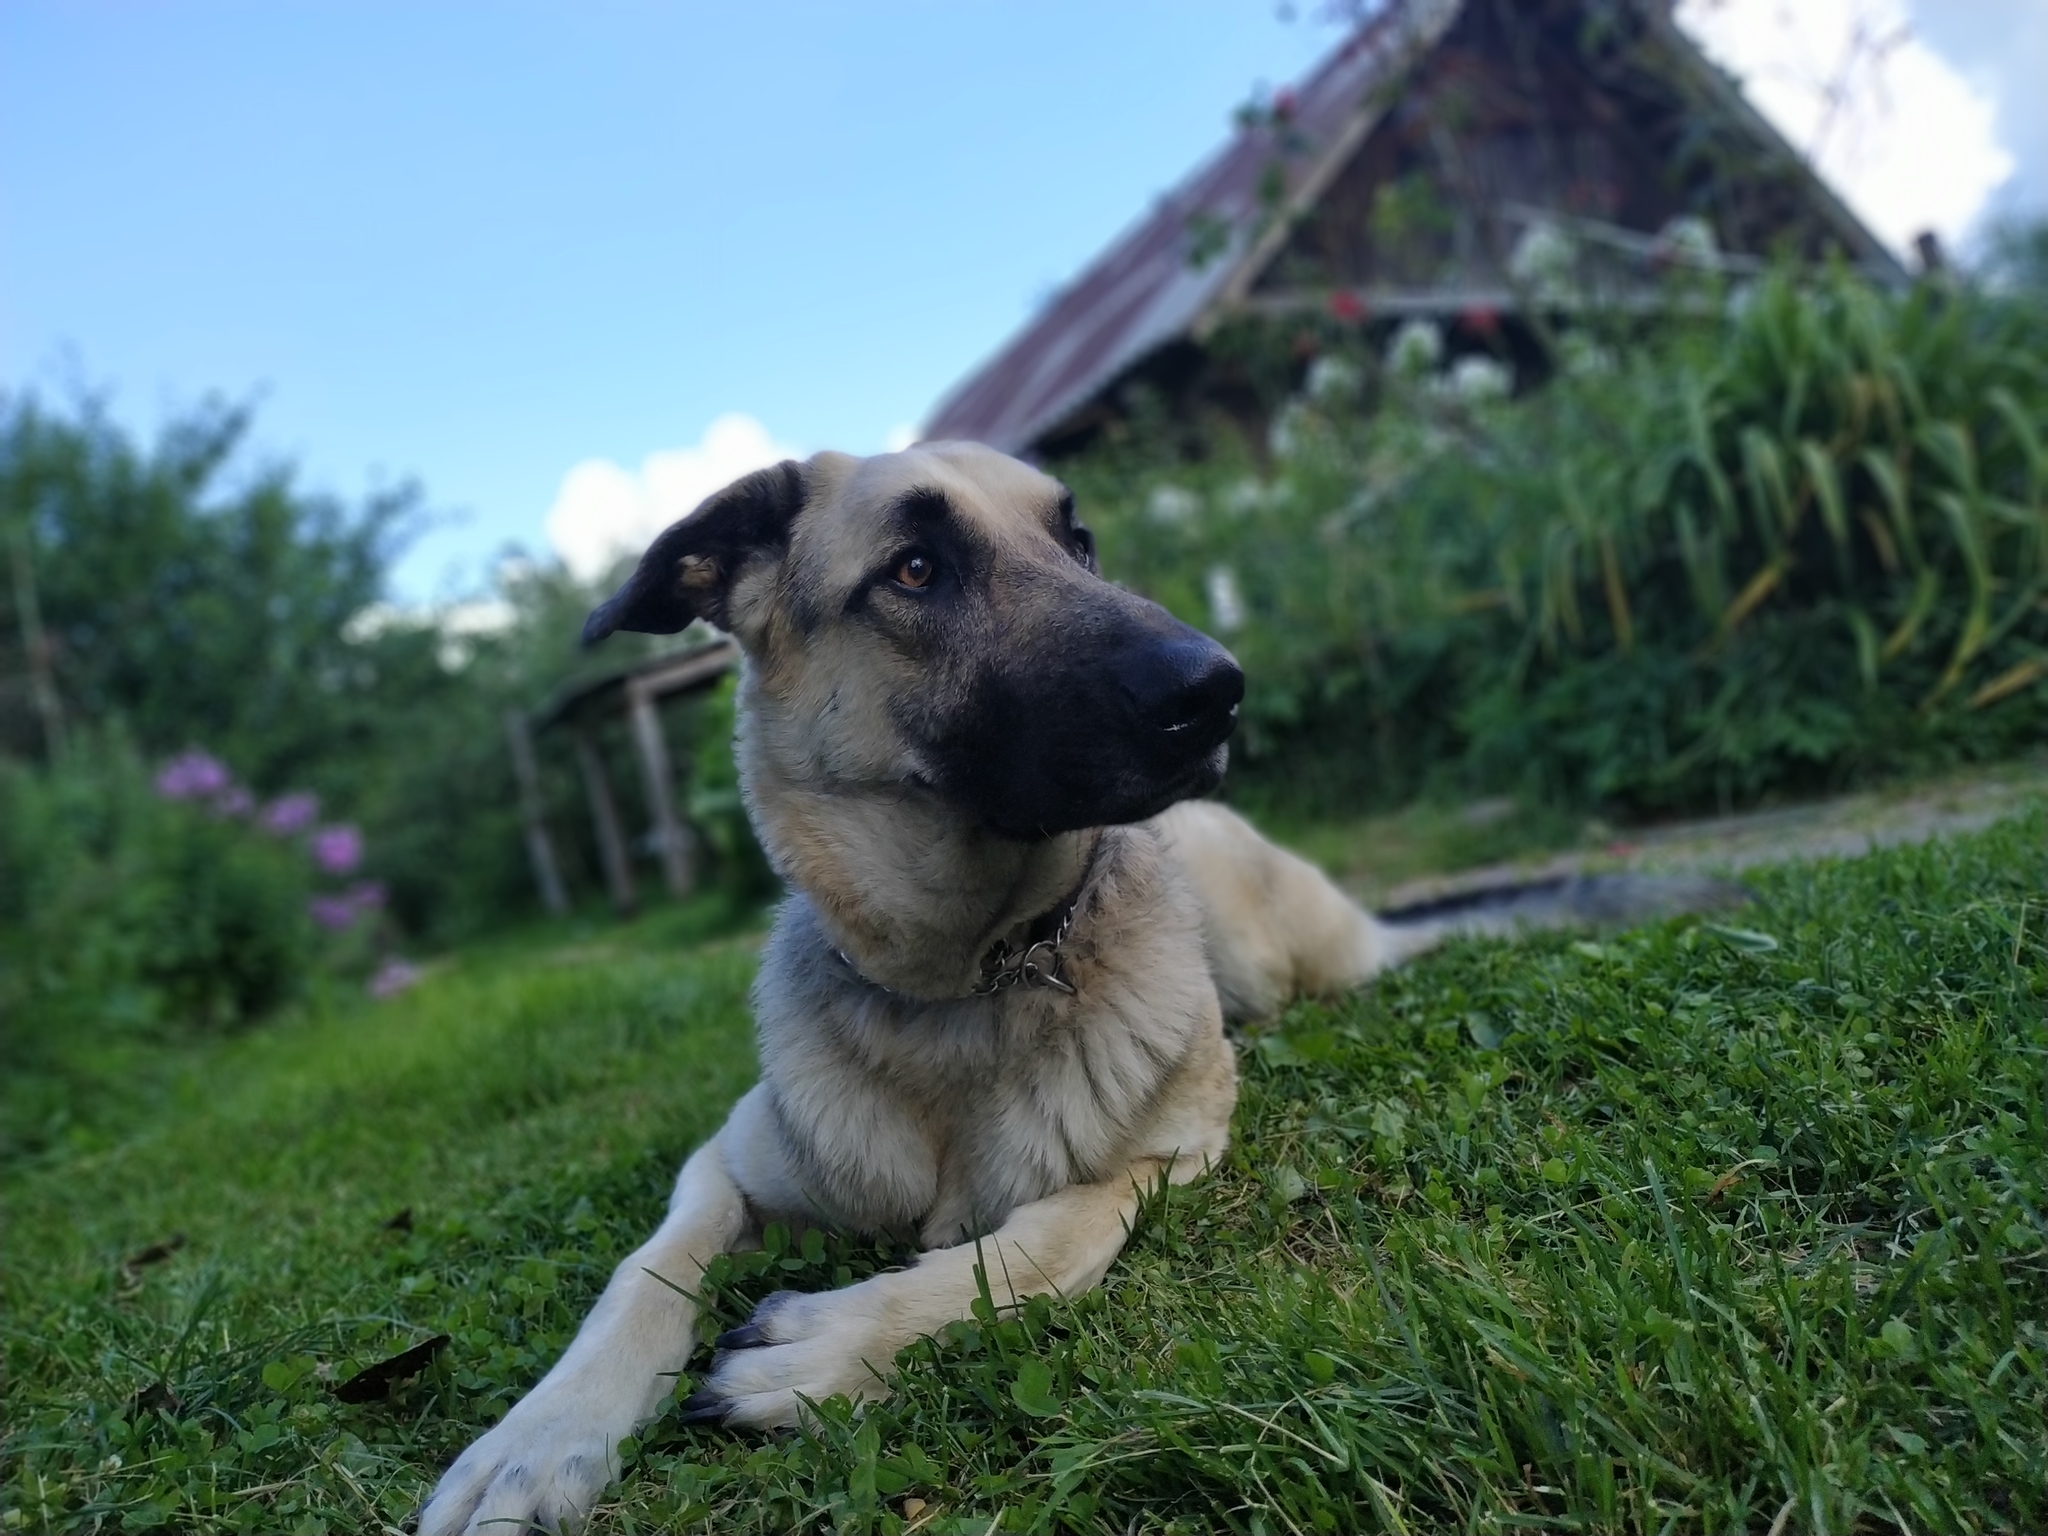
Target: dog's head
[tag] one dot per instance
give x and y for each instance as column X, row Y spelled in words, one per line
column 936, row 618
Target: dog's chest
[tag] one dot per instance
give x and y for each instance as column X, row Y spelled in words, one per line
column 1056, row 1096
column 942, row 1118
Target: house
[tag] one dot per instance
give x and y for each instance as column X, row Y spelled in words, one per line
column 1487, row 164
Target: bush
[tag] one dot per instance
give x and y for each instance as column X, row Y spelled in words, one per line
column 187, row 593
column 124, row 907
column 1705, row 563
column 134, row 907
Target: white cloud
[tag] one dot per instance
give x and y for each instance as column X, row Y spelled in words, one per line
column 1908, row 141
column 900, row 437
column 604, row 510
column 458, row 623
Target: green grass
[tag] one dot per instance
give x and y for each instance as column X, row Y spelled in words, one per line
column 1691, row 1228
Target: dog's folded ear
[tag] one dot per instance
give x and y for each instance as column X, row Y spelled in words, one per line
column 687, row 573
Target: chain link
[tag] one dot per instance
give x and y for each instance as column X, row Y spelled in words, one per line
column 1038, row 965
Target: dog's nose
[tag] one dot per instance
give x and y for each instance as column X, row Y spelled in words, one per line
column 1187, row 686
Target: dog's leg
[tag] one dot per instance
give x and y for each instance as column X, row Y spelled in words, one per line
column 547, row 1460
column 813, row 1346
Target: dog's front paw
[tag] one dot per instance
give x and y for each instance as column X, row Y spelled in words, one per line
column 796, row 1348
column 543, row 1466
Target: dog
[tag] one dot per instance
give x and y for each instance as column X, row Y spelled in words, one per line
column 991, row 1010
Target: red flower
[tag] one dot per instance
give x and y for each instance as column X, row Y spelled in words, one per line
column 1483, row 318
column 1347, row 306
column 1284, row 105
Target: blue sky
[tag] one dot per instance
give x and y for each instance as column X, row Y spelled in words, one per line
column 483, row 245
column 480, row 244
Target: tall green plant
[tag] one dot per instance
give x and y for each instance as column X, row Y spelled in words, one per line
column 1826, row 540
column 1708, row 560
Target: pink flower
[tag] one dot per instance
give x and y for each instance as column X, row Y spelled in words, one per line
column 193, row 775
column 1483, row 318
column 1347, row 306
column 289, row 815
column 393, row 977
column 338, row 849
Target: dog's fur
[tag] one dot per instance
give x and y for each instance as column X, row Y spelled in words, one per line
column 934, row 767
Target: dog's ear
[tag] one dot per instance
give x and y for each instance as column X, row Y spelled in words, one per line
column 687, row 573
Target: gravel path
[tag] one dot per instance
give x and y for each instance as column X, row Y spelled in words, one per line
column 1847, row 827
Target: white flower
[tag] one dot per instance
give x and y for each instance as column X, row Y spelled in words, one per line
column 1582, row 355
column 1226, row 603
column 1543, row 259
column 1417, row 349
column 1691, row 239
column 1247, row 495
column 1475, row 379
column 1284, row 435
column 1172, row 505
column 1332, row 378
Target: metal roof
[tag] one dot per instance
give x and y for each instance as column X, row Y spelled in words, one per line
column 1146, row 291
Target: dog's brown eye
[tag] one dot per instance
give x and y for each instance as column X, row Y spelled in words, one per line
column 916, row 571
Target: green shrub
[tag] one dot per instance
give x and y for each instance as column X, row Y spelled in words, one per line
column 124, row 907
column 186, row 593
column 1708, row 561
column 135, row 907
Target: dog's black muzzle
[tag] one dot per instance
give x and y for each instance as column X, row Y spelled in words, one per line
column 1125, row 714
column 1182, row 695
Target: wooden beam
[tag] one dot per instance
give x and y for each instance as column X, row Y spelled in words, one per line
column 604, row 817
column 671, row 837
column 540, row 852
column 693, row 669
column 1406, row 303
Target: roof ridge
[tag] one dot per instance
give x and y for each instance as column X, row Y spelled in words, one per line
column 1032, row 392
column 1149, row 286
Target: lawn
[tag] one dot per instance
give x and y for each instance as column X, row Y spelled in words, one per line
column 1692, row 1228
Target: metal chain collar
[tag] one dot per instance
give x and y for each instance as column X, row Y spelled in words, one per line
column 1043, row 964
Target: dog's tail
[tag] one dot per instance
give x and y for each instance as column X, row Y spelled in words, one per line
column 1563, row 901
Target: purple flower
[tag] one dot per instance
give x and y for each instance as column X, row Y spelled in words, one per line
column 338, row 849
column 339, row 912
column 289, row 815
column 234, row 801
column 193, row 775
column 334, row 913
column 393, row 977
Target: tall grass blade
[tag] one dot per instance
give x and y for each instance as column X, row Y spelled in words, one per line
column 1752, row 597
column 1868, row 662
column 1926, row 589
column 1890, row 480
column 1617, row 596
column 1769, row 499
column 2009, row 410
column 1826, row 481
column 2008, row 683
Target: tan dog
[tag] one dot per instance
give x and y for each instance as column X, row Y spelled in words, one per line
column 993, row 1003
